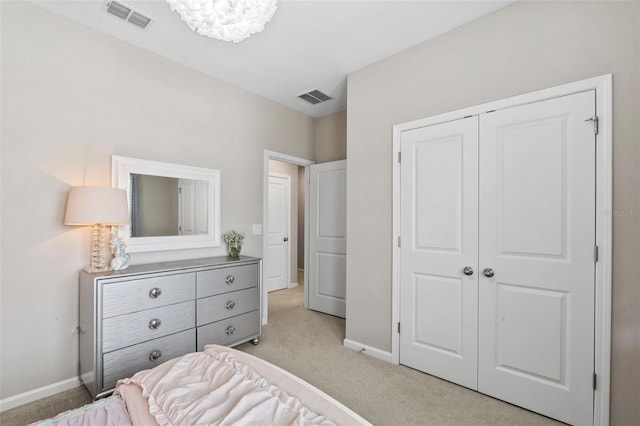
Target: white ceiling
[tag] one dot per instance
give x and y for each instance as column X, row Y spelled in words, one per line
column 308, row 44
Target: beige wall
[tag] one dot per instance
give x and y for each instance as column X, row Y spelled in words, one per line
column 72, row 97
column 290, row 170
column 331, row 137
column 524, row 47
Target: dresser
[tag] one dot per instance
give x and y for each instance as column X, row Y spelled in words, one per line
column 135, row 319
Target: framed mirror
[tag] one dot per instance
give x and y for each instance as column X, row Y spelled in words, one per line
column 171, row 206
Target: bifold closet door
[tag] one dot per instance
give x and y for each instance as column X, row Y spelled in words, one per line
column 439, row 228
column 537, row 235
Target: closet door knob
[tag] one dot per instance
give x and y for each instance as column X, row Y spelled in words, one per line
column 468, row 270
column 488, row 272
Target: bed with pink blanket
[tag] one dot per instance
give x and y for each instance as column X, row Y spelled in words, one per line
column 220, row 386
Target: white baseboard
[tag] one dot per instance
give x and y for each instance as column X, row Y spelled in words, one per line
column 293, row 285
column 39, row 393
column 368, row 350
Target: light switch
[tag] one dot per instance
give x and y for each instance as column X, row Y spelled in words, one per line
column 257, row 229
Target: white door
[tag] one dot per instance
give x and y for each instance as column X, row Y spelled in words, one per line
column 534, row 170
column 537, row 234
column 193, row 202
column 328, row 237
column 186, row 207
column 277, row 262
column 439, row 228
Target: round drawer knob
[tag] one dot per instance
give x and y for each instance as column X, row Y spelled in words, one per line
column 230, row 279
column 230, row 330
column 231, row 304
column 155, row 292
column 155, row 355
column 154, row 323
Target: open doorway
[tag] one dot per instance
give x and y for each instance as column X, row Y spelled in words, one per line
column 284, row 218
column 285, row 214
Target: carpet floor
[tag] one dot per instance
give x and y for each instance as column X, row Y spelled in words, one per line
column 309, row 344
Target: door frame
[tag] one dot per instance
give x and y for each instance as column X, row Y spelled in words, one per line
column 273, row 155
column 604, row 173
column 287, row 178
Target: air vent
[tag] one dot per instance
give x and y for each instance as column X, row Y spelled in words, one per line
column 140, row 20
column 127, row 13
column 314, row 97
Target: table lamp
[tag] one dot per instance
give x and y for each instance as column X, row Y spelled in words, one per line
column 97, row 206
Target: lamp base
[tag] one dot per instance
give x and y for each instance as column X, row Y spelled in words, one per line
column 98, row 251
column 91, row 269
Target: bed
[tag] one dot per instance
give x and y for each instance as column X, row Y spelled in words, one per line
column 220, row 386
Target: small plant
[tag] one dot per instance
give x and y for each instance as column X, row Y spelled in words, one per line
column 234, row 241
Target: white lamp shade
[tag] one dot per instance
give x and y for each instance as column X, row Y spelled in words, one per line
column 88, row 205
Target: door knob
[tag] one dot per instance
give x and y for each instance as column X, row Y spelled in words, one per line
column 488, row 272
column 285, row 239
column 468, row 270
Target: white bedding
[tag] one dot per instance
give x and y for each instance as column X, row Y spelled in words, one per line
column 223, row 386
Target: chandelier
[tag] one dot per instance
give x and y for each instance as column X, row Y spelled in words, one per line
column 226, row 20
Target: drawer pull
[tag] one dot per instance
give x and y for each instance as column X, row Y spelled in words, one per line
column 230, row 279
column 231, row 304
column 155, row 355
column 230, row 330
column 155, row 292
column 154, row 323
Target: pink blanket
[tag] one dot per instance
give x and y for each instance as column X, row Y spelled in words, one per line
column 215, row 387
column 108, row 412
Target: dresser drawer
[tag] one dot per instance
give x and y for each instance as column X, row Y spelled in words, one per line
column 224, row 280
column 230, row 331
column 128, row 361
column 130, row 329
column 216, row 308
column 123, row 297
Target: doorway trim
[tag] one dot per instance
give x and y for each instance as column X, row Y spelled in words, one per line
column 273, row 155
column 604, row 173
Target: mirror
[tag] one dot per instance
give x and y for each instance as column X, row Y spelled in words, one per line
column 171, row 206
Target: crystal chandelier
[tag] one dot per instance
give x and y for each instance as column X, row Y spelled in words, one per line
column 226, row 20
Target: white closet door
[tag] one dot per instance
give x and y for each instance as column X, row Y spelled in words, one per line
column 439, row 228
column 537, row 233
column 328, row 237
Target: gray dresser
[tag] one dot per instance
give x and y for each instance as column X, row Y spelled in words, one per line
column 135, row 319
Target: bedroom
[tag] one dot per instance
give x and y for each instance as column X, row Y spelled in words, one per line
column 87, row 108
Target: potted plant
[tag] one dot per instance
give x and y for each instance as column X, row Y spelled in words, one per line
column 234, row 241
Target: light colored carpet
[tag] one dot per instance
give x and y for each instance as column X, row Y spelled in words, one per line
column 309, row 344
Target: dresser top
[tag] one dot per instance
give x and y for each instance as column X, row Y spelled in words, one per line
column 174, row 265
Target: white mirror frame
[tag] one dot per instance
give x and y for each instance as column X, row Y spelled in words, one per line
column 121, row 170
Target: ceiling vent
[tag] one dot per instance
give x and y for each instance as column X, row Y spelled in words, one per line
column 127, row 13
column 314, row 97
